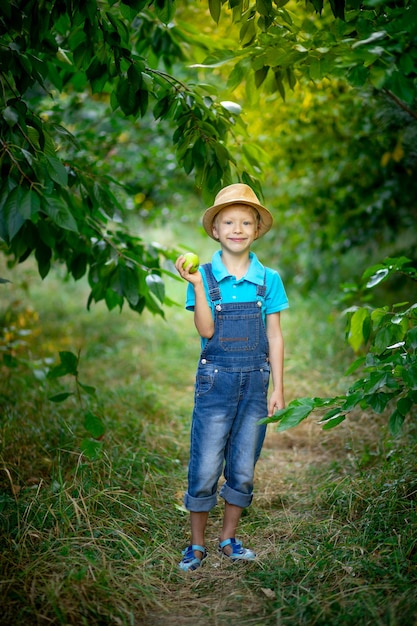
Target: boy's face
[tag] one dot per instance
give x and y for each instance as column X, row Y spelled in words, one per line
column 236, row 227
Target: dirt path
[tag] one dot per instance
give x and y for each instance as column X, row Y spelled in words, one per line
column 216, row 594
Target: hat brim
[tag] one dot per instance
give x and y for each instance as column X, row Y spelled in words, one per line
column 265, row 222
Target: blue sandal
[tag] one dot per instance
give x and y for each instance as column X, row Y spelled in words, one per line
column 238, row 553
column 190, row 562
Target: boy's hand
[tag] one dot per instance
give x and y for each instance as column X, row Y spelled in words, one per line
column 276, row 403
column 193, row 278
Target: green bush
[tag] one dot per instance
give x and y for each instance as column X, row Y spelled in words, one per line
column 387, row 337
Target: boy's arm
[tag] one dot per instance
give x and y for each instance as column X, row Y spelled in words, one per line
column 276, row 359
column 203, row 318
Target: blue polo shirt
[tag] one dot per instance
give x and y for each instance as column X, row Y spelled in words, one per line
column 244, row 289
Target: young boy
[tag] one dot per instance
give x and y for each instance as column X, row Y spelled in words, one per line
column 236, row 303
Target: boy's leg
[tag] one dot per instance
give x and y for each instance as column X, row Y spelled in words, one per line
column 231, row 520
column 198, row 522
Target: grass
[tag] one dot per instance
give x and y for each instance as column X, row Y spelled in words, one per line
column 94, row 539
column 352, row 557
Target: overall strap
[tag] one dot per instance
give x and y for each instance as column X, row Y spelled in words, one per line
column 213, row 286
column 261, row 289
column 214, row 289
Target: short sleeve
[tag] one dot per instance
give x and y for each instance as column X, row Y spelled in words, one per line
column 276, row 298
column 190, row 297
column 190, row 294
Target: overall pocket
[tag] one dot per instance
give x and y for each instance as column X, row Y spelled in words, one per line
column 204, row 381
column 239, row 333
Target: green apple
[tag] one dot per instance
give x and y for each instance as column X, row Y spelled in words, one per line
column 192, row 258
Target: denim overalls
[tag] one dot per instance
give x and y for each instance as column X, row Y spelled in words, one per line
column 230, row 398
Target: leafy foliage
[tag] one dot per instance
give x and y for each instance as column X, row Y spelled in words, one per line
column 68, row 366
column 57, row 208
column 131, row 56
column 343, row 183
column 370, row 43
column 388, row 336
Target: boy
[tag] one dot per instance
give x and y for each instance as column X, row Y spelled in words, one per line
column 236, row 303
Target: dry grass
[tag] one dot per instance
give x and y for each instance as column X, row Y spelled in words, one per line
column 218, row 594
column 98, row 542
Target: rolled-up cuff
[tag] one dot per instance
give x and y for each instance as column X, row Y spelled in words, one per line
column 198, row 505
column 235, row 497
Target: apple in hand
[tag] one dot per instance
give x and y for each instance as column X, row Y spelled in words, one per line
column 192, row 258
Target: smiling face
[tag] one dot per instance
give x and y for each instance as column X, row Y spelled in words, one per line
column 236, row 227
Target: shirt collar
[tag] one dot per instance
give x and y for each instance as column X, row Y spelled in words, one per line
column 255, row 273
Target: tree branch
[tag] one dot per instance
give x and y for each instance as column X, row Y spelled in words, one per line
column 400, row 103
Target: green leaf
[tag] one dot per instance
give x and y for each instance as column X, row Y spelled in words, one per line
column 404, row 405
column 232, row 107
column 82, row 55
column 292, row 416
column 333, row 421
column 318, row 5
column 43, row 256
column 91, row 448
column 355, row 365
column 402, row 87
column 60, row 397
column 291, row 78
column 11, row 219
column 156, row 286
column 388, row 336
column 215, row 9
column 352, row 400
column 237, row 75
column 57, row 171
column 378, row 401
column 126, row 93
column 396, row 422
column 91, row 391
column 380, row 317
column 378, row 380
column 254, row 154
column 105, row 198
column 294, row 413
column 29, row 204
column 113, row 299
column 94, row 425
column 334, row 412
column 373, row 37
column 356, row 335
column 260, row 75
column 70, row 360
column 143, row 99
column 264, row 7
column 279, row 84
column 129, row 284
column 135, row 5
column 60, row 214
column 411, row 338
column 11, row 116
column 165, row 10
column 78, row 265
column 378, row 277
column 410, row 376
column 68, row 365
column 247, row 32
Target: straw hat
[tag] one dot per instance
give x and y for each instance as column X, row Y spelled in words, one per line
column 237, row 194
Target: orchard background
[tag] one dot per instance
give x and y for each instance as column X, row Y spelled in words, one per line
column 119, row 122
